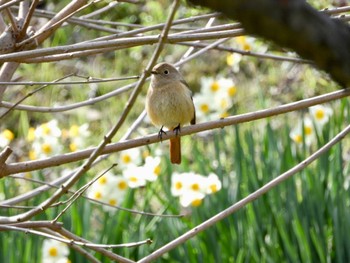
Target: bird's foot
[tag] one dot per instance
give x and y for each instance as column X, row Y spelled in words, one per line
column 160, row 133
column 177, row 129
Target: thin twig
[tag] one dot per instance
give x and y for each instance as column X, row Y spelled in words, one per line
column 28, row 95
column 71, row 106
column 9, row 203
column 27, row 20
column 124, row 42
column 12, row 21
column 103, row 251
column 9, row 3
column 252, row 53
column 57, row 82
column 79, row 193
column 48, row 30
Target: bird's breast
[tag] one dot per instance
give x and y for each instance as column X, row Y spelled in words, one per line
column 170, row 105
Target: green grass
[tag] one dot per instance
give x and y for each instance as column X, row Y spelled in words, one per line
column 304, row 219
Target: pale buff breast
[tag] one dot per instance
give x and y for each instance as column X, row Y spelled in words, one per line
column 170, row 106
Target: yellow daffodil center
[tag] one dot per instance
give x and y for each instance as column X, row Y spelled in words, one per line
column 230, row 60
column 178, row 185
column 308, row 130
column 122, row 185
column 157, row 170
column 126, row 158
column 195, row 187
column 97, row 195
column 74, row 130
column 319, row 114
column 133, row 179
column 31, row 134
column 213, row 188
column 73, row 147
column 298, row 138
column 8, row 135
column 53, row 252
column 112, row 202
column 32, row 155
column 214, row 86
column 46, row 148
column 204, row 108
column 232, row 91
column 46, row 129
column 196, row 202
column 102, row 180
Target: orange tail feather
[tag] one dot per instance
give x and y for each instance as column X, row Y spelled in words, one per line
column 175, row 150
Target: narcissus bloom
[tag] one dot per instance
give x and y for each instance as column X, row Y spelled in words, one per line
column 54, row 252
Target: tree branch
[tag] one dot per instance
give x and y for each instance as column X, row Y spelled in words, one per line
column 14, row 168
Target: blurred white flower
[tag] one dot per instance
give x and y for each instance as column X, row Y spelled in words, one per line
column 193, row 198
column 303, row 128
column 215, row 98
column 233, row 60
column 48, row 146
column 6, row 136
column 152, row 168
column 204, row 106
column 320, row 114
column 45, row 140
column 245, row 43
column 194, row 190
column 130, row 157
column 178, row 182
column 135, row 176
column 54, row 251
column 191, row 188
column 48, row 129
column 110, row 189
column 78, row 135
column 213, row 184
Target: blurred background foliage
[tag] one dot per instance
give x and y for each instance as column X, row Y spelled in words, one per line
column 305, row 219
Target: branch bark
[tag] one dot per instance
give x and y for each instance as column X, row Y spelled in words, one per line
column 13, row 168
column 296, row 25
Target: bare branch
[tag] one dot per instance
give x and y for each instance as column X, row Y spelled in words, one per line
column 124, row 42
column 14, row 168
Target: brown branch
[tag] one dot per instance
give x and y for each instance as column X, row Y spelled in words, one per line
column 14, row 168
column 296, row 25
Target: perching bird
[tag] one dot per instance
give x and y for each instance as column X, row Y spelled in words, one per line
column 169, row 104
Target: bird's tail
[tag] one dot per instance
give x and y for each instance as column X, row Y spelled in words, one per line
column 175, row 150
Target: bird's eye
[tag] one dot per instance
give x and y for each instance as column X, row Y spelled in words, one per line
column 166, row 72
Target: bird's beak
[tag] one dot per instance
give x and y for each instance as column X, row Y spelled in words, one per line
column 154, row 72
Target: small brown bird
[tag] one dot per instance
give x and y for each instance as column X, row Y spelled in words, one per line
column 169, row 104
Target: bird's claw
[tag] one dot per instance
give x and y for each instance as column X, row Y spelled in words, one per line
column 177, row 129
column 160, row 133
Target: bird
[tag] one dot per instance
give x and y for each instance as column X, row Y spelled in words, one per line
column 169, row 104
